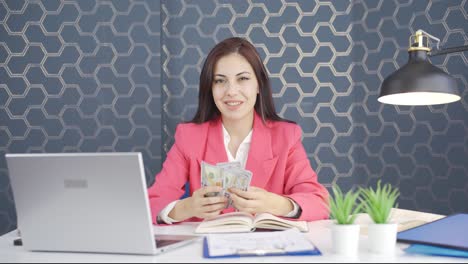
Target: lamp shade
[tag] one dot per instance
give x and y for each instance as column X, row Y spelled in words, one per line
column 418, row 83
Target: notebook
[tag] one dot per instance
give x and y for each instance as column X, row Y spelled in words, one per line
column 290, row 242
column 449, row 232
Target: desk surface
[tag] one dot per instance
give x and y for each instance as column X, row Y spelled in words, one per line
column 319, row 233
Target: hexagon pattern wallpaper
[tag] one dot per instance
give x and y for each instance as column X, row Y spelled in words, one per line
column 119, row 75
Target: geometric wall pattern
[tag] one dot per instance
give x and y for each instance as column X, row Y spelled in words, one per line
column 78, row 76
column 102, row 75
column 326, row 60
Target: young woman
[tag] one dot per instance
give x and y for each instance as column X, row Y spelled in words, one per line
column 236, row 121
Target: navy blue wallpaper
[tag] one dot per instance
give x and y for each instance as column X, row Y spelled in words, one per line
column 79, row 76
column 102, row 75
column 327, row 60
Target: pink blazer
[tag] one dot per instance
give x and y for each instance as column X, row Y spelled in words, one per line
column 276, row 158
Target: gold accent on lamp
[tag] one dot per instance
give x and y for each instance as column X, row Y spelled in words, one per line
column 419, row 41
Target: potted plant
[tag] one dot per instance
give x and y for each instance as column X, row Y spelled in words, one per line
column 344, row 210
column 378, row 204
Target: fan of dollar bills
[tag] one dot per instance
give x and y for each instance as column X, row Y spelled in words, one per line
column 226, row 175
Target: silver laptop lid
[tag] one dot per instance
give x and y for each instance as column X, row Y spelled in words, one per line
column 82, row 202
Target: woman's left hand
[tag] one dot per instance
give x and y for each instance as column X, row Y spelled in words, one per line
column 257, row 200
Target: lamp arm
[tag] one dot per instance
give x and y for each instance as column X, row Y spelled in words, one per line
column 448, row 50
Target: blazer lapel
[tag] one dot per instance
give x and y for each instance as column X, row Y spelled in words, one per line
column 260, row 160
column 215, row 151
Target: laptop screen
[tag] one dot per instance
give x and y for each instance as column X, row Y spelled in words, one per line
column 82, row 202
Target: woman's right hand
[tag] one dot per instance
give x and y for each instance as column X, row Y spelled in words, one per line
column 200, row 206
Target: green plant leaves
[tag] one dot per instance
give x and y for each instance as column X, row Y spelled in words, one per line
column 343, row 207
column 376, row 203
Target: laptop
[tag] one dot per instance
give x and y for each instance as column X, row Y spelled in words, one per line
column 85, row 202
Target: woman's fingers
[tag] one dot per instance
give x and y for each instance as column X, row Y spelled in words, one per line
column 213, row 200
column 210, row 215
column 242, row 204
column 256, row 189
column 202, row 192
column 214, row 207
column 212, row 210
column 249, row 195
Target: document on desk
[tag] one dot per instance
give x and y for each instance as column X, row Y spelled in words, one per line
column 288, row 242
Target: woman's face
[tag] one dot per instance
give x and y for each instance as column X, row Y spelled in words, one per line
column 235, row 87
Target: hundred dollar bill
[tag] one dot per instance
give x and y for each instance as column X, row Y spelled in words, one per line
column 228, row 165
column 211, row 175
column 235, row 178
column 244, row 179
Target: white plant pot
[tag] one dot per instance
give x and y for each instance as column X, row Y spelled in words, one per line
column 345, row 239
column 382, row 238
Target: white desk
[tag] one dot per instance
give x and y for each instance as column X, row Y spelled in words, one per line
column 319, row 233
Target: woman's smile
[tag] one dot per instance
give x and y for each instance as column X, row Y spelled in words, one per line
column 233, row 105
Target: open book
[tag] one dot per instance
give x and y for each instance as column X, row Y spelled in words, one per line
column 238, row 222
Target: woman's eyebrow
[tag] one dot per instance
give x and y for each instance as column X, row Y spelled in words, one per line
column 240, row 73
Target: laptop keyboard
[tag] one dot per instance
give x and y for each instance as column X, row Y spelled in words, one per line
column 165, row 242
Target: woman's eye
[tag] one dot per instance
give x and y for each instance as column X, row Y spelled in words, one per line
column 218, row 81
column 243, row 78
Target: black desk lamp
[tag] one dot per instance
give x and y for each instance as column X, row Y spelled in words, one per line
column 419, row 82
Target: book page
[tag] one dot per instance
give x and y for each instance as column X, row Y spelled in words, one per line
column 226, row 223
column 283, row 242
column 270, row 221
